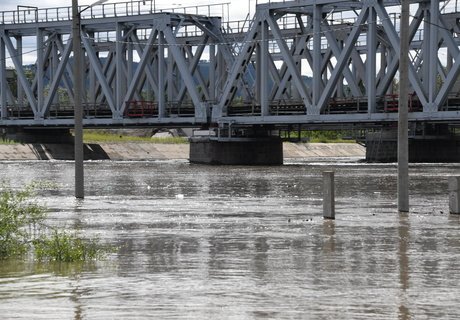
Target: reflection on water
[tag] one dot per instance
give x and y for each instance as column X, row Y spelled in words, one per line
column 403, row 235
column 199, row 242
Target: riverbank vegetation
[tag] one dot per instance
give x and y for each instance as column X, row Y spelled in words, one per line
column 7, row 141
column 100, row 136
column 103, row 136
column 323, row 136
column 23, row 231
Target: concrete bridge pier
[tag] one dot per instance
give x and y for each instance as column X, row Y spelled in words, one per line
column 427, row 143
column 259, row 149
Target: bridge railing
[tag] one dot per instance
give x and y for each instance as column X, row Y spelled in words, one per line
column 388, row 103
column 31, row 14
column 447, row 6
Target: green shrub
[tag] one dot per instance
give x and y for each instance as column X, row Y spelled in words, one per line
column 22, row 230
column 66, row 247
column 19, row 217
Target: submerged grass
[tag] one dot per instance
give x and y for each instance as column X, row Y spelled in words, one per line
column 66, row 247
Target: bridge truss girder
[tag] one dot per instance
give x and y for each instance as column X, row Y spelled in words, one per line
column 356, row 60
column 295, row 61
column 137, row 55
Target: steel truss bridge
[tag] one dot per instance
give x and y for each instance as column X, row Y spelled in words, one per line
column 301, row 62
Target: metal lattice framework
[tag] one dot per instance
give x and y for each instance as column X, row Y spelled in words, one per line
column 295, row 62
column 352, row 58
column 139, row 68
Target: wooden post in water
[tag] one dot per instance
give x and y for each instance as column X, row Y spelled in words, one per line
column 328, row 195
column 454, row 195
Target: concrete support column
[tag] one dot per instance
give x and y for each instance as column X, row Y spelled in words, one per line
column 78, row 108
column 403, row 139
column 454, row 195
column 328, row 195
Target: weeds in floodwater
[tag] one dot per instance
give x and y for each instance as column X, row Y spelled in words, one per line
column 65, row 246
column 23, row 230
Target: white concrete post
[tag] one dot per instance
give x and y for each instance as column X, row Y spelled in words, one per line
column 328, row 195
column 454, row 195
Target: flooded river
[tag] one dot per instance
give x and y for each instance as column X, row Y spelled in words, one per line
column 201, row 242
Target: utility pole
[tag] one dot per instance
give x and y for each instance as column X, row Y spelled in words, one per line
column 78, row 96
column 78, row 109
column 403, row 127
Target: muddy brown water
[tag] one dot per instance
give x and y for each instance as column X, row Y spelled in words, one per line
column 204, row 242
